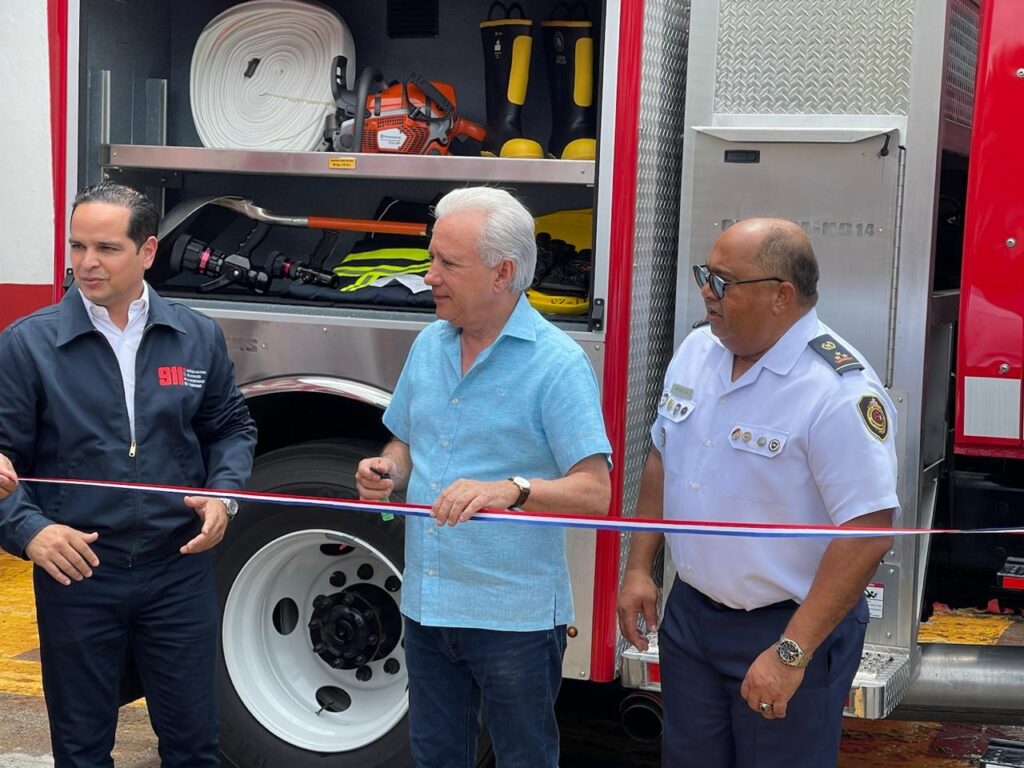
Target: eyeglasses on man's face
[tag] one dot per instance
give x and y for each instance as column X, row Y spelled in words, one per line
column 704, row 276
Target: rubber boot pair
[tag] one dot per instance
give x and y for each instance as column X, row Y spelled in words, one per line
column 569, row 52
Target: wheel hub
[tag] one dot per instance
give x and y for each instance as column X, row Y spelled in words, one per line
column 355, row 626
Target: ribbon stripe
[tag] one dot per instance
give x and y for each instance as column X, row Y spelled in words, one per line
column 564, row 520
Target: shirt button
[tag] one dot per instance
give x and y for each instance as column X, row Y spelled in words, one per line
column 722, row 400
column 694, row 486
column 455, row 401
column 430, row 572
column 444, row 443
column 433, row 486
column 708, row 442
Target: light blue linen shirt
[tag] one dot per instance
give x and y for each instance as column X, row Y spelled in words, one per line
column 529, row 406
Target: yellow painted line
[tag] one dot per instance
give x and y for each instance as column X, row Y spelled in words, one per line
column 18, row 629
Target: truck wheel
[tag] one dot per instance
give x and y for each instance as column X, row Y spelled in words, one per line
column 311, row 670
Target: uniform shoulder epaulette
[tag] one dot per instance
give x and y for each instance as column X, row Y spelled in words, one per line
column 835, row 354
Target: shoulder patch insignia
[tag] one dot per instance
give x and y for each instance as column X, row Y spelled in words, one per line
column 875, row 418
column 835, row 354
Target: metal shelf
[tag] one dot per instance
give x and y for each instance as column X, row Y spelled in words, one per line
column 129, row 157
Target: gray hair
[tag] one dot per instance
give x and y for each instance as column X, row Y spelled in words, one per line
column 786, row 252
column 507, row 233
column 142, row 214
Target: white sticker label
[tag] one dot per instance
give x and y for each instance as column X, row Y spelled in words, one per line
column 875, row 594
column 392, row 138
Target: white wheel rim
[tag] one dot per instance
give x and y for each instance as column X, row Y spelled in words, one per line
column 277, row 676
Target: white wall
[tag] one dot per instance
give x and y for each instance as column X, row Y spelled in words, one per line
column 26, row 186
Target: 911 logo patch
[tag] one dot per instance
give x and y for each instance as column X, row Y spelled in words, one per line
column 180, row 376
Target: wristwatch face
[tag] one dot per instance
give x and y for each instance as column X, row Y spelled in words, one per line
column 789, row 652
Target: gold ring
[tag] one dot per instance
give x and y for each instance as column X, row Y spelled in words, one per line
column 765, row 707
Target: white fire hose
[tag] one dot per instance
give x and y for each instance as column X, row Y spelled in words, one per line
column 261, row 75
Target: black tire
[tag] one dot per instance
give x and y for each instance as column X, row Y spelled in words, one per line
column 323, row 469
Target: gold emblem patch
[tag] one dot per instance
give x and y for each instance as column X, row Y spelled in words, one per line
column 828, row 346
column 874, row 415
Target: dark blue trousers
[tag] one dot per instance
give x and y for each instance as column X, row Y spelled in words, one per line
column 706, row 649
column 514, row 675
column 166, row 612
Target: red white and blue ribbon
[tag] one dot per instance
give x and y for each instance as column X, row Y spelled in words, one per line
column 562, row 520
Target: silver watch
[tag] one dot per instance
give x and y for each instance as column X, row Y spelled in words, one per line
column 232, row 508
column 791, row 654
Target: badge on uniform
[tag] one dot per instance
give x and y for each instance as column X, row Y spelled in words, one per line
column 875, row 418
column 661, row 438
column 673, row 409
column 759, row 440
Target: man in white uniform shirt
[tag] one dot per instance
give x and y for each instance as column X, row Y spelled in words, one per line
column 766, row 416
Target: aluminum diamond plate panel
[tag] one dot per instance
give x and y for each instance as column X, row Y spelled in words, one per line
column 663, row 79
column 961, row 63
column 821, row 57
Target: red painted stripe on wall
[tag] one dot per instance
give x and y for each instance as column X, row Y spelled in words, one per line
column 18, row 300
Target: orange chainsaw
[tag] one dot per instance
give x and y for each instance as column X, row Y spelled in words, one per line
column 416, row 117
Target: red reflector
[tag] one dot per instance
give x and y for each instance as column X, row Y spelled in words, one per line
column 1013, row 582
column 654, row 673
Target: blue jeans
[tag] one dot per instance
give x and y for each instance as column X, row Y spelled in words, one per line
column 706, row 649
column 513, row 676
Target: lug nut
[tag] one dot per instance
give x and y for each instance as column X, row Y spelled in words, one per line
column 347, row 598
column 363, row 674
column 338, row 579
column 391, row 666
column 321, row 602
column 319, row 647
column 393, row 584
column 372, row 640
column 365, row 572
column 360, row 660
column 336, row 662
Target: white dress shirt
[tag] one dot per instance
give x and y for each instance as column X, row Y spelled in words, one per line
column 791, row 441
column 124, row 343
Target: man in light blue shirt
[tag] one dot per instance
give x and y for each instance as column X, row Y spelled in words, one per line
column 495, row 408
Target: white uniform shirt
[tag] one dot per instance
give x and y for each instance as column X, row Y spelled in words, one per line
column 124, row 343
column 791, row 441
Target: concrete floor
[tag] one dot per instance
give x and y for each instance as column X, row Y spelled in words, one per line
column 590, row 731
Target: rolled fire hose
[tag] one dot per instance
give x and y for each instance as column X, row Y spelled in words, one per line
column 261, row 75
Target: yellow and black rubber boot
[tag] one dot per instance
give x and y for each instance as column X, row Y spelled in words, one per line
column 569, row 53
column 507, row 43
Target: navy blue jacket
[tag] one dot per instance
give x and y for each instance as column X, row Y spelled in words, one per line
column 63, row 415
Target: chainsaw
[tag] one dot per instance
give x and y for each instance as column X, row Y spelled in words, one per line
column 416, row 117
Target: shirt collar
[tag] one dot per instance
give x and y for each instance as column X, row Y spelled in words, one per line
column 75, row 319
column 138, row 308
column 784, row 353
column 520, row 324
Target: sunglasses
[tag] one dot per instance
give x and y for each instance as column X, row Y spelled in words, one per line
column 704, row 276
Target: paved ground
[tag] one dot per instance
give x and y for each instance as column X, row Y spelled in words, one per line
column 591, row 734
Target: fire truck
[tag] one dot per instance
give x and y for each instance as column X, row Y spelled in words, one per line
column 885, row 128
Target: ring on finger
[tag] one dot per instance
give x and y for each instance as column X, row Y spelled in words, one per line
column 765, row 707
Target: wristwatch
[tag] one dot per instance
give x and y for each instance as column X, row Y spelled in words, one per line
column 232, row 508
column 791, row 654
column 524, row 491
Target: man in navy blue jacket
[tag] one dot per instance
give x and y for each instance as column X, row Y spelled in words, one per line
column 117, row 384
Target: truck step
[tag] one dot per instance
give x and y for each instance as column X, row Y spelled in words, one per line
column 884, row 676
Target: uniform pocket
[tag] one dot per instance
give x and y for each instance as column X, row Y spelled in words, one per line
column 756, row 469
